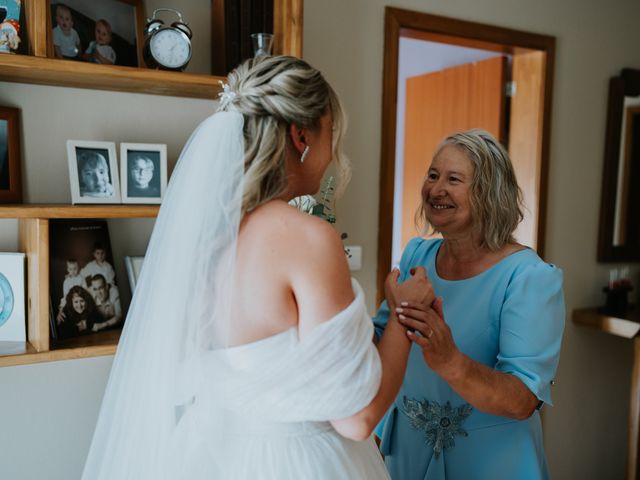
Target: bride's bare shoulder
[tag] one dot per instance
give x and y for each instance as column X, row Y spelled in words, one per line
column 283, row 227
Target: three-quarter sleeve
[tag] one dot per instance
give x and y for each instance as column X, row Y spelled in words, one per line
column 531, row 326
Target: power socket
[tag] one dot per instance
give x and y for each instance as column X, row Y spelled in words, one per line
column 354, row 257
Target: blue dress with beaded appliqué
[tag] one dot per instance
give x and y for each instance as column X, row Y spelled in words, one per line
column 510, row 317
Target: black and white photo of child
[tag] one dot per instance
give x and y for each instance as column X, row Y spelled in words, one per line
column 144, row 174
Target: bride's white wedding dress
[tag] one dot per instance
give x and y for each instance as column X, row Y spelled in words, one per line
column 181, row 403
column 278, row 396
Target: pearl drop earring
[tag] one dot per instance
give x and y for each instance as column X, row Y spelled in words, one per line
column 305, row 152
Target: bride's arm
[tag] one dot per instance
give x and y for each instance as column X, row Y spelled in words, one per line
column 393, row 347
column 322, row 288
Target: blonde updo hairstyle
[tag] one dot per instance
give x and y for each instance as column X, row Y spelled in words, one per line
column 273, row 93
column 495, row 198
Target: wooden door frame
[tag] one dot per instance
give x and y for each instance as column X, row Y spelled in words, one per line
column 407, row 23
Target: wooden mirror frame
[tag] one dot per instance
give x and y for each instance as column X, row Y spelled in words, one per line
column 470, row 34
column 627, row 84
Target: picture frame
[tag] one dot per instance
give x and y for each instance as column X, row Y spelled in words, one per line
column 13, row 326
column 93, row 172
column 10, row 168
column 123, row 21
column 12, row 27
column 143, row 172
column 83, row 286
column 133, row 264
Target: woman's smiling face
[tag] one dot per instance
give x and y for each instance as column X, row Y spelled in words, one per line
column 446, row 191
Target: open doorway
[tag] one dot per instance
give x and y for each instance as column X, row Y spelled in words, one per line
column 443, row 75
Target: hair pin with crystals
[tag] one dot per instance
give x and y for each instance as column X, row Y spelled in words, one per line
column 226, row 96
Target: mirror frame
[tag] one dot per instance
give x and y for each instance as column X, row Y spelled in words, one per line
column 471, row 34
column 627, row 84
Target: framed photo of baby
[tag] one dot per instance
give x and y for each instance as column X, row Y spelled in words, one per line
column 143, row 172
column 107, row 32
column 93, row 172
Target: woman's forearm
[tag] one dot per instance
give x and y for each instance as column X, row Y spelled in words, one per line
column 489, row 390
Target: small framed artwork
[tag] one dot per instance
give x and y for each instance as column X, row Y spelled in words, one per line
column 10, row 176
column 143, row 172
column 12, row 300
column 85, row 295
column 93, row 172
column 108, row 32
column 11, row 14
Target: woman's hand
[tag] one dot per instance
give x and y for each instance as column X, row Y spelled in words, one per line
column 415, row 290
column 427, row 328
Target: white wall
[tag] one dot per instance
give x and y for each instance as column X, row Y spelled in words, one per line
column 49, row 410
column 586, row 430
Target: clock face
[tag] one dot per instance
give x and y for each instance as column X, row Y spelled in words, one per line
column 171, row 48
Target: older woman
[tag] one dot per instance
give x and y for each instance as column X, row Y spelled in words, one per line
column 484, row 356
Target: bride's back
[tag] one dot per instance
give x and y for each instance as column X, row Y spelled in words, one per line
column 290, row 267
column 290, row 271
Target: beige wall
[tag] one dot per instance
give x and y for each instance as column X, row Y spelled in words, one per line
column 50, row 409
column 585, row 432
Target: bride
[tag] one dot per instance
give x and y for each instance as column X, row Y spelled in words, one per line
column 247, row 352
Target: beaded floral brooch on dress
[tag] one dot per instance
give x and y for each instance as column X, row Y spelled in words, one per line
column 441, row 423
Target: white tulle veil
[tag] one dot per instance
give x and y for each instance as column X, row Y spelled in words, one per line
column 188, row 267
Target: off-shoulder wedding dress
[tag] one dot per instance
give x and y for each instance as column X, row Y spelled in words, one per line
column 279, row 396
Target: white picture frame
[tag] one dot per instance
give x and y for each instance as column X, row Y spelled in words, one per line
column 91, row 181
column 143, row 172
column 12, row 298
column 133, row 265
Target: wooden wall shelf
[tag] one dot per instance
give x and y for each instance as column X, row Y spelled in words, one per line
column 33, row 223
column 38, row 67
column 78, row 211
column 627, row 326
column 67, row 73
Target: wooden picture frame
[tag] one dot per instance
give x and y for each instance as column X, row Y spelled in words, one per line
column 93, row 172
column 143, row 172
column 619, row 234
column 10, row 168
column 127, row 46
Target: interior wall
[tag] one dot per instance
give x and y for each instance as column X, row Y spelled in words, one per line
column 585, row 432
column 50, row 409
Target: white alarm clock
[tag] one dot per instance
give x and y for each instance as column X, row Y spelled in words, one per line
column 166, row 47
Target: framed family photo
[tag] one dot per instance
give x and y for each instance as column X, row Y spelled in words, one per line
column 93, row 172
column 107, row 32
column 10, row 175
column 143, row 172
column 85, row 295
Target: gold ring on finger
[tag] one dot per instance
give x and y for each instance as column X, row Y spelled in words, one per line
column 430, row 334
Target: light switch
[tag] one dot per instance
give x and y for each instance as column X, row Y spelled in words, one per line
column 354, row 257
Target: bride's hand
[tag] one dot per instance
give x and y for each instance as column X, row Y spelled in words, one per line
column 416, row 290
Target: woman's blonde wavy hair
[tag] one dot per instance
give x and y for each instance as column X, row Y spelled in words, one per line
column 496, row 199
column 273, row 93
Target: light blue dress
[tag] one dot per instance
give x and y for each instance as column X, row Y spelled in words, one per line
column 510, row 317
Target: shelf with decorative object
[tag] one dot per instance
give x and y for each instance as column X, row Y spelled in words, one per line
column 626, row 325
column 34, row 63
column 33, row 239
column 37, row 65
